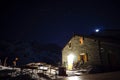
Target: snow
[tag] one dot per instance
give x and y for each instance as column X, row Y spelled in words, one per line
column 51, row 73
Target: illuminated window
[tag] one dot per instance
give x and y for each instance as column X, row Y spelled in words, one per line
column 81, row 40
column 69, row 45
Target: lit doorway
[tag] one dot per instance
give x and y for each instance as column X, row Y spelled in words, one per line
column 82, row 58
column 70, row 59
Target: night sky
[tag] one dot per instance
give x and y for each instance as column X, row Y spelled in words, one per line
column 55, row 21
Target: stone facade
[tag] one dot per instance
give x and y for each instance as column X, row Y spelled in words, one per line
column 93, row 51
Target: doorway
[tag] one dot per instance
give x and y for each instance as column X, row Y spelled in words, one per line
column 83, row 58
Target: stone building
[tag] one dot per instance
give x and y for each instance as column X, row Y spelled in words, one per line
column 91, row 50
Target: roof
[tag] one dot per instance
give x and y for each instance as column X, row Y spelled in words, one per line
column 104, row 38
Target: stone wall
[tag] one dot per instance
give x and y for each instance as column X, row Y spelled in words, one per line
column 110, row 54
column 76, row 47
column 99, row 52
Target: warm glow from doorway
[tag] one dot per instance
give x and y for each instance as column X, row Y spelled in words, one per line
column 70, row 61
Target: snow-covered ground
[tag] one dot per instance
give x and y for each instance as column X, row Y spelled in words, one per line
column 49, row 73
column 99, row 76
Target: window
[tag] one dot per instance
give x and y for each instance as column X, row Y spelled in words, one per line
column 69, row 44
column 81, row 40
